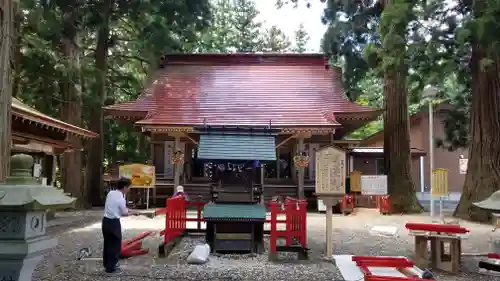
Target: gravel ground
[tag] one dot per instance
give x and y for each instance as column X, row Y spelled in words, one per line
column 351, row 236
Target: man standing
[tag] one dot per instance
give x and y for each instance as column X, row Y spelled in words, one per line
column 114, row 208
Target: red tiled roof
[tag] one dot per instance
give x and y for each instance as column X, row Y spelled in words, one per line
column 23, row 111
column 244, row 89
column 144, row 103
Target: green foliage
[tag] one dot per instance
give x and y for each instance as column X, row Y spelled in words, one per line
column 352, row 25
column 274, row 40
column 248, row 30
column 234, row 28
column 301, row 39
column 140, row 32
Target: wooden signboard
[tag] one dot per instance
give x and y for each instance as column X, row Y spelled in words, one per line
column 439, row 182
column 142, row 176
column 330, row 171
column 355, row 179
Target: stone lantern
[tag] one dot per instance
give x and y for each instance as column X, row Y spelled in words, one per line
column 23, row 206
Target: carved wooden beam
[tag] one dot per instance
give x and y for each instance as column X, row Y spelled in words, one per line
column 191, row 139
column 286, row 140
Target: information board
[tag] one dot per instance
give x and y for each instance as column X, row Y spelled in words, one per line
column 330, row 171
column 462, row 165
column 374, row 185
column 355, row 181
column 439, row 182
column 142, row 176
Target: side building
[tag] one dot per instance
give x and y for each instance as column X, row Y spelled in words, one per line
column 419, row 142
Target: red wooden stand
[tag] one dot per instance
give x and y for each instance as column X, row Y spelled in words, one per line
column 347, row 204
column 133, row 247
column 439, row 228
column 494, row 256
column 295, row 232
column 384, row 204
column 401, row 264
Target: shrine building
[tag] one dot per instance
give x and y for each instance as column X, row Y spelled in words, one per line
column 299, row 97
column 43, row 137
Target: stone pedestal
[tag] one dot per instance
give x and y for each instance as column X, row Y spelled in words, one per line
column 23, row 220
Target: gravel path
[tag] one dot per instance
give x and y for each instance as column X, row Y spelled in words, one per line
column 351, row 236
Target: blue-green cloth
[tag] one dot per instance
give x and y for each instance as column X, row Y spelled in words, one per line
column 213, row 211
column 237, row 147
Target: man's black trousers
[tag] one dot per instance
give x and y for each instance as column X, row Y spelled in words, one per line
column 112, row 233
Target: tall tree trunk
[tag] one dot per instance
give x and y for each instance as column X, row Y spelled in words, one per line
column 16, row 52
column 397, row 153
column 71, row 111
column 96, row 154
column 6, row 36
column 483, row 172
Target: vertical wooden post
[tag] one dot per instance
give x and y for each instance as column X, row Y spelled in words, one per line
column 293, row 168
column 262, row 171
column 351, row 164
column 165, row 158
column 54, row 170
column 152, row 158
column 278, row 166
column 300, row 150
column 178, row 166
column 152, row 152
column 188, row 159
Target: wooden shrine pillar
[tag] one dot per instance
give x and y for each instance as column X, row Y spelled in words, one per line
column 178, row 167
column 54, row 170
column 48, row 168
column 278, row 166
column 167, row 158
column 293, row 168
column 187, row 162
column 301, row 170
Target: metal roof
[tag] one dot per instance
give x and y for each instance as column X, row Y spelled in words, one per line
column 244, row 89
column 237, row 147
column 24, row 111
column 219, row 211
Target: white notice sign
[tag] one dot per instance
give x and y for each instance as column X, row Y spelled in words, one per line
column 330, row 171
column 462, row 166
column 374, row 185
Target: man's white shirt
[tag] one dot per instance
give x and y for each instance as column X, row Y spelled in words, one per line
column 115, row 206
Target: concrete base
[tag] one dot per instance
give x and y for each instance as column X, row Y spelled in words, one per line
column 18, row 270
column 22, row 244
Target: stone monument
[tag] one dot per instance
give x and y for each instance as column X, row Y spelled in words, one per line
column 23, row 206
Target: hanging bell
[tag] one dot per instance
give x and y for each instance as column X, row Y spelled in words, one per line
column 491, row 203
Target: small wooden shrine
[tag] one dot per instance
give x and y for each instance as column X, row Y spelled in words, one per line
column 235, row 217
